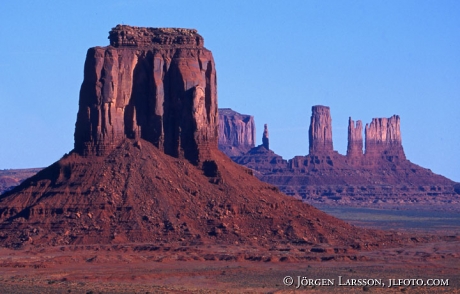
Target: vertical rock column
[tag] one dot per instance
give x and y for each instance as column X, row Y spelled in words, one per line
column 265, row 141
column 320, row 132
column 355, row 138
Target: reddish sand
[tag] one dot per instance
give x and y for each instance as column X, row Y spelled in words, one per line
column 146, row 268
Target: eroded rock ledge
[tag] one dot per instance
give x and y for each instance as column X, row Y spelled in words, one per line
column 131, row 36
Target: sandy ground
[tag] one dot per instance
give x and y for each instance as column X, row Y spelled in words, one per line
column 145, row 268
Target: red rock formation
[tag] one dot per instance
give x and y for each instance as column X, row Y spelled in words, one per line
column 382, row 175
column 383, row 138
column 236, row 132
column 142, row 99
column 320, row 132
column 355, row 138
column 154, row 84
column 265, row 141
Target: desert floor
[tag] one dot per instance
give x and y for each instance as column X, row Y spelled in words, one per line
column 207, row 268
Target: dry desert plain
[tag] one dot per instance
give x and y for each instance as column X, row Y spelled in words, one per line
column 425, row 258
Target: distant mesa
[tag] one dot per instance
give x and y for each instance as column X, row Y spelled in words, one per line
column 10, row 178
column 236, row 132
column 378, row 175
column 383, row 136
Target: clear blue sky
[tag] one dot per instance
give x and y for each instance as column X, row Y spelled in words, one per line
column 274, row 60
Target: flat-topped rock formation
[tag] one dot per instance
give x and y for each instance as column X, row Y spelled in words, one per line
column 236, row 132
column 383, row 136
column 146, row 168
column 154, row 84
column 381, row 175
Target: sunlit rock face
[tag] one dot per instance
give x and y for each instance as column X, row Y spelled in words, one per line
column 320, row 132
column 355, row 138
column 379, row 176
column 158, row 84
column 236, row 132
column 383, row 137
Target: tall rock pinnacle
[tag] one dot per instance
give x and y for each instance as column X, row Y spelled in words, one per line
column 383, row 136
column 158, row 84
column 355, row 138
column 320, row 132
column 265, row 142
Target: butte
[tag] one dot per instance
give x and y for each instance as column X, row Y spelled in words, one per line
column 374, row 172
column 146, row 168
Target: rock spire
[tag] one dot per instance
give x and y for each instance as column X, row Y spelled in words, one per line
column 320, row 132
column 265, row 141
column 158, row 84
column 355, row 138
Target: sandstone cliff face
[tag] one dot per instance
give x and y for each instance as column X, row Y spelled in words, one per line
column 320, row 132
column 383, row 137
column 154, row 84
column 355, row 138
column 236, row 132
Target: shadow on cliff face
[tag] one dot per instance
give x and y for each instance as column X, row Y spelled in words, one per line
column 457, row 188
